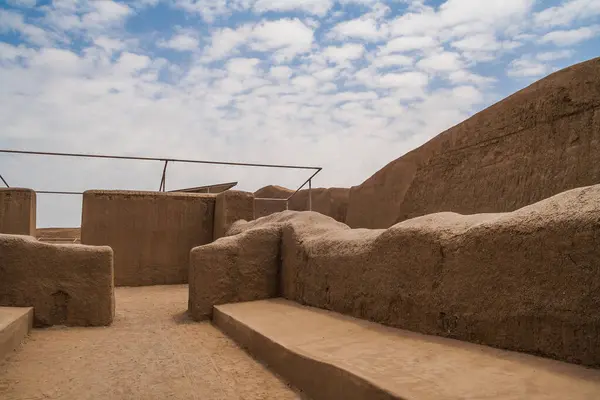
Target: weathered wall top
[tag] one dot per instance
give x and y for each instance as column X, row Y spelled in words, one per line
column 171, row 195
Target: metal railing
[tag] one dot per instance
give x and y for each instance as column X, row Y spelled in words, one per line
column 163, row 180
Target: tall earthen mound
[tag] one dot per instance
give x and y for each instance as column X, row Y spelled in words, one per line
column 540, row 141
column 525, row 280
column 273, row 192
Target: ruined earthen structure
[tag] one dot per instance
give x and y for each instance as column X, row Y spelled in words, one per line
column 65, row 284
column 524, row 280
column 488, row 234
column 540, row 141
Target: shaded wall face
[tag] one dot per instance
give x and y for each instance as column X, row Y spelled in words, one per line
column 232, row 206
column 150, row 233
column 520, row 168
column 17, row 211
column 264, row 207
column 332, row 202
column 536, row 143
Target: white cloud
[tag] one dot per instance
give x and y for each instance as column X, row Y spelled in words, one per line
column 526, row 67
column 467, row 95
column 282, row 73
column 208, row 9
column 408, row 43
column 478, row 42
column 106, row 11
column 9, row 52
column 87, row 17
column 464, row 76
column 131, row 62
column 360, row 28
column 225, row 41
column 181, row 42
column 554, row 55
column 242, row 66
column 327, row 74
column 305, row 82
column 22, row 3
column 568, row 12
column 13, row 22
column 317, row 7
column 288, row 37
column 492, row 11
column 570, row 37
column 462, row 17
column 109, row 44
column 394, row 60
column 443, row 61
column 342, row 54
column 407, row 80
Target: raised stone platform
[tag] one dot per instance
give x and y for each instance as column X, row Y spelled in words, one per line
column 15, row 324
column 331, row 356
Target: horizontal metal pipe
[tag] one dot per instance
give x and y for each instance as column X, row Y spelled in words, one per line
column 44, row 153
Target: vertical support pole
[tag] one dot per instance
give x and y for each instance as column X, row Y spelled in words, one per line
column 163, row 181
column 310, row 195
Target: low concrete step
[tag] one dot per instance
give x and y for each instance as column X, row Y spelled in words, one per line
column 332, row 356
column 15, row 324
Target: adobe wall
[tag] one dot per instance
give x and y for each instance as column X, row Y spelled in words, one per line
column 58, row 233
column 234, row 269
column 540, row 141
column 17, row 211
column 524, row 280
column 332, row 202
column 264, row 207
column 230, row 207
column 151, row 233
column 65, row 284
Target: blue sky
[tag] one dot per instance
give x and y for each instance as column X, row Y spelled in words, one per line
column 345, row 84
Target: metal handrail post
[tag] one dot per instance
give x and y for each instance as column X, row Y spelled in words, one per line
column 310, row 195
column 163, row 180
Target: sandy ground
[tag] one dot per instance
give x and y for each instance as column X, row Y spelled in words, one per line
column 152, row 351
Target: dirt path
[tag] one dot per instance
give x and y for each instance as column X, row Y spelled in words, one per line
column 152, row 351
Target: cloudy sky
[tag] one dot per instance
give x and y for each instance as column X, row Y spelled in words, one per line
column 348, row 85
